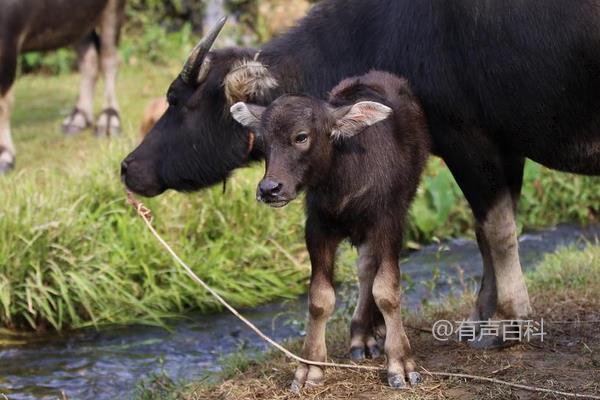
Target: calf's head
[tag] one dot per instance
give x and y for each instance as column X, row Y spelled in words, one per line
column 300, row 135
column 196, row 143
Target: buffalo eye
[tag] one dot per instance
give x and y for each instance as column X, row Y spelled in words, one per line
column 301, row 138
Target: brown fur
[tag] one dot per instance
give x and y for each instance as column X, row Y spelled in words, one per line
column 359, row 186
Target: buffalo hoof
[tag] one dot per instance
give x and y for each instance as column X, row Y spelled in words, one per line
column 357, row 354
column 491, row 342
column 75, row 123
column 415, row 378
column 366, row 346
column 7, row 161
column 109, row 123
column 497, row 336
column 396, row 381
column 307, row 376
column 6, row 167
column 374, row 352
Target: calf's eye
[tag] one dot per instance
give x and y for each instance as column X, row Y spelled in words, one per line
column 301, row 138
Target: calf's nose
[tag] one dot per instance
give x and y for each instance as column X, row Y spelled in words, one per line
column 268, row 188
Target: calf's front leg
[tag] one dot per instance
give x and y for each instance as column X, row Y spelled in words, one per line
column 386, row 291
column 322, row 246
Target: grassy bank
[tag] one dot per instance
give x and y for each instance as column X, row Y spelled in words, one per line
column 73, row 255
column 564, row 291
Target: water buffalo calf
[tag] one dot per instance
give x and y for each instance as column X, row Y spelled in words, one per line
column 28, row 25
column 360, row 170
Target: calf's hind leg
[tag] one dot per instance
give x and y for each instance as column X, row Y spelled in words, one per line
column 367, row 321
column 386, row 291
column 322, row 246
column 109, row 121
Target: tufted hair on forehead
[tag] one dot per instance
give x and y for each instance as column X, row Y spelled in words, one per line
column 248, row 80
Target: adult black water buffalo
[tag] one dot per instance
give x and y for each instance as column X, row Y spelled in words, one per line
column 28, row 25
column 500, row 81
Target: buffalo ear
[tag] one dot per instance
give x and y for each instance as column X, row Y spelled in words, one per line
column 350, row 121
column 248, row 115
column 248, row 80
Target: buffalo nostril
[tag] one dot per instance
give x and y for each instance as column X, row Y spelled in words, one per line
column 269, row 188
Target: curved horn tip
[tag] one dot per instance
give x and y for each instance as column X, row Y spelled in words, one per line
column 201, row 49
column 216, row 29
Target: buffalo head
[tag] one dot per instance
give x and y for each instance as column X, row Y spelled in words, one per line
column 197, row 143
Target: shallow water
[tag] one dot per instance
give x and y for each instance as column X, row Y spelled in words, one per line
column 109, row 364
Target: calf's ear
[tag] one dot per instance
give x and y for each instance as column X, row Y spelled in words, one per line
column 247, row 115
column 351, row 121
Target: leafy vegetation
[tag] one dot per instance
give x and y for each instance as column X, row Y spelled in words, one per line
column 548, row 197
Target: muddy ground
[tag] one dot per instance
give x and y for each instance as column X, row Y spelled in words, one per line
column 567, row 360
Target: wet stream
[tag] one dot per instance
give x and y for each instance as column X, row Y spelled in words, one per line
column 109, row 364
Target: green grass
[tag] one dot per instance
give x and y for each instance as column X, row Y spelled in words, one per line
column 72, row 254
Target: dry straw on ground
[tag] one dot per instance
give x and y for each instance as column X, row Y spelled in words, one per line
column 568, row 360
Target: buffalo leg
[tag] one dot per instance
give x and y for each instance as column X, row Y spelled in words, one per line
column 322, row 246
column 491, row 181
column 8, row 69
column 109, row 122
column 7, row 147
column 367, row 321
column 386, row 291
column 82, row 116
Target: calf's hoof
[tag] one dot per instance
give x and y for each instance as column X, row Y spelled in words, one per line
column 374, row 352
column 363, row 347
column 75, row 123
column 109, row 123
column 359, row 354
column 306, row 376
column 415, row 378
column 397, row 381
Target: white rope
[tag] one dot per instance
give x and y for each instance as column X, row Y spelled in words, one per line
column 146, row 214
